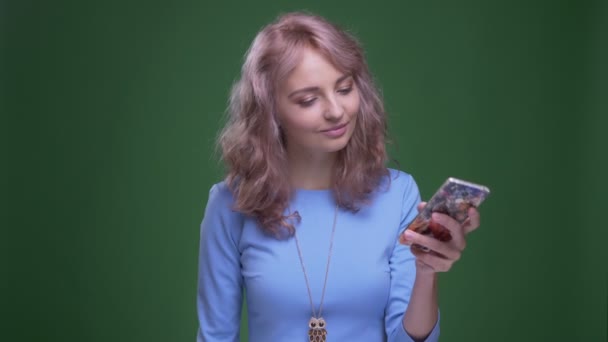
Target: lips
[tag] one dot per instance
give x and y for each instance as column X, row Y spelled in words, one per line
column 335, row 128
column 336, row 131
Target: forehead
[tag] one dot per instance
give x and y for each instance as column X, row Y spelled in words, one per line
column 312, row 69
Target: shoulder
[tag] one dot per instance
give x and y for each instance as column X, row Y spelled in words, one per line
column 220, row 219
column 400, row 182
column 221, row 202
column 399, row 188
column 221, row 195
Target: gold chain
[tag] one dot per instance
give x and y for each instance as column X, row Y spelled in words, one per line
column 331, row 243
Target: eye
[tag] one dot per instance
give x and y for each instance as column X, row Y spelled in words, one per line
column 345, row 91
column 307, row 102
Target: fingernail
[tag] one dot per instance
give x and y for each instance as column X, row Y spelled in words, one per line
column 409, row 234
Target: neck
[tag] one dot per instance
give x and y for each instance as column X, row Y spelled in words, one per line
column 310, row 171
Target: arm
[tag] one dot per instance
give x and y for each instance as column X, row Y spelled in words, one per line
column 422, row 313
column 412, row 311
column 219, row 296
column 423, row 310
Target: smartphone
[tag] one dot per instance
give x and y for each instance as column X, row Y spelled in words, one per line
column 454, row 198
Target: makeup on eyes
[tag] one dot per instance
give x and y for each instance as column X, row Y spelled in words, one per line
column 343, row 79
column 309, row 101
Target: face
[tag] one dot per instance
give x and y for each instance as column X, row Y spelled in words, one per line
column 317, row 107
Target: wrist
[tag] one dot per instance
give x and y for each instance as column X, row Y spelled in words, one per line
column 426, row 276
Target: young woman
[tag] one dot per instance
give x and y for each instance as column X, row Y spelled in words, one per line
column 308, row 219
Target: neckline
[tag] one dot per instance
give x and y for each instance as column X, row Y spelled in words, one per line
column 313, row 195
column 303, row 190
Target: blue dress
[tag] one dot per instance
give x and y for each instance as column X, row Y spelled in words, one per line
column 370, row 277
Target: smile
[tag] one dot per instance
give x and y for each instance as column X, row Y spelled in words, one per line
column 336, row 131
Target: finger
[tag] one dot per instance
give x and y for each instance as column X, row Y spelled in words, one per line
column 419, row 260
column 434, row 261
column 421, row 206
column 455, row 228
column 417, row 252
column 473, row 221
column 433, row 244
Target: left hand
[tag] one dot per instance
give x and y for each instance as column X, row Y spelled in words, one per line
column 442, row 255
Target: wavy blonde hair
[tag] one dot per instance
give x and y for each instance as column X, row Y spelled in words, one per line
column 251, row 143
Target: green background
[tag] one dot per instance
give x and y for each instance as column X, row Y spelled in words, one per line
column 110, row 110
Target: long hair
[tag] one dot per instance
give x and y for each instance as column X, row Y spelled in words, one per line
column 251, row 143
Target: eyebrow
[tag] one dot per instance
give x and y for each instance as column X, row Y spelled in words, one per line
column 311, row 89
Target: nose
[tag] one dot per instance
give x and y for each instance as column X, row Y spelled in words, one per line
column 334, row 110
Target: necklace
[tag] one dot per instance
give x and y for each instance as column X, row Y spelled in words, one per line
column 316, row 326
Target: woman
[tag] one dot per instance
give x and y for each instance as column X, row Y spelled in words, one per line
column 308, row 218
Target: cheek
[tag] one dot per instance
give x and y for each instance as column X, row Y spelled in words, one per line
column 353, row 105
column 292, row 118
column 298, row 125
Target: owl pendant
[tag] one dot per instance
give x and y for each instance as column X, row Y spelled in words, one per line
column 316, row 330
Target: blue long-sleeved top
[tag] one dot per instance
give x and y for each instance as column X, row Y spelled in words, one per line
column 370, row 277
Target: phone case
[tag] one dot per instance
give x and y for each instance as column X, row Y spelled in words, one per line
column 453, row 198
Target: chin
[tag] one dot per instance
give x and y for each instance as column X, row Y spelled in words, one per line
column 337, row 145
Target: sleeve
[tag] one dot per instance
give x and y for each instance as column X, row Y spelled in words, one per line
column 219, row 295
column 403, row 272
